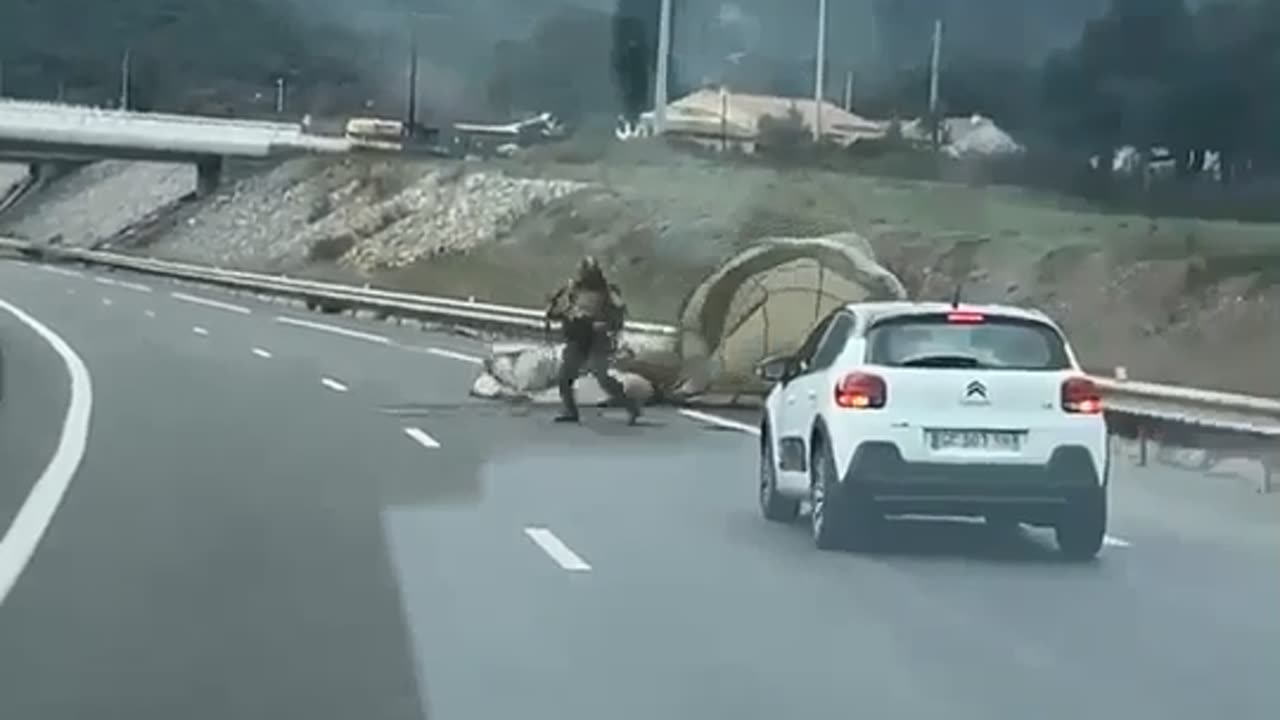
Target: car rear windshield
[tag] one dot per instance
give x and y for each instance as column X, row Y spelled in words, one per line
column 966, row 340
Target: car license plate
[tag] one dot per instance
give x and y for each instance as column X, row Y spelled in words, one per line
column 982, row 440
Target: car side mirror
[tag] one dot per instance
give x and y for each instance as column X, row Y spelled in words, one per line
column 775, row 369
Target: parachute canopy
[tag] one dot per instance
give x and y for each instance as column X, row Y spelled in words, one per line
column 764, row 300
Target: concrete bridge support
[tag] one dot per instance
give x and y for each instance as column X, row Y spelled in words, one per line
column 208, row 175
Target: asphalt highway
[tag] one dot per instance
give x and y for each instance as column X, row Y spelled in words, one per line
column 279, row 514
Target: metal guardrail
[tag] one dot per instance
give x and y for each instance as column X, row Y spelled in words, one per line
column 444, row 310
column 1244, row 419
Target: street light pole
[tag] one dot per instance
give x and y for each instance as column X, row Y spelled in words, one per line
column 664, row 60
column 935, row 61
column 412, row 119
column 125, row 72
column 820, row 73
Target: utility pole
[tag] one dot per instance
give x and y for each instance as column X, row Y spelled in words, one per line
column 663, row 69
column 280, row 95
column 1, row 78
column 934, row 64
column 411, row 121
column 848, row 91
column 125, row 74
column 820, row 72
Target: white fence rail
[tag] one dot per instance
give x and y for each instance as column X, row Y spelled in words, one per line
column 1246, row 419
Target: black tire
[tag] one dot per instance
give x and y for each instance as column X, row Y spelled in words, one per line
column 839, row 519
column 774, row 507
column 1083, row 527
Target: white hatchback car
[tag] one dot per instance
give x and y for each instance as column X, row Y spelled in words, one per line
column 910, row 408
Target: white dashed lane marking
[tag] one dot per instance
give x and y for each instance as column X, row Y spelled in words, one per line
column 422, row 437
column 138, row 287
column 150, row 313
column 61, row 271
column 200, row 331
column 333, row 329
column 556, row 549
column 333, row 385
column 106, row 301
column 718, row 421
column 262, row 353
column 218, row 304
column 452, row 355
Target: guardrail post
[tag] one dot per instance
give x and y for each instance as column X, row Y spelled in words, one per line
column 208, row 175
column 1142, row 446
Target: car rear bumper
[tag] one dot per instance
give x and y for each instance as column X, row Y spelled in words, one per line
column 877, row 472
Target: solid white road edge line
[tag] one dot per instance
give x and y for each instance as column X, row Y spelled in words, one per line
column 723, row 422
column 262, row 353
column 462, row 357
column 336, row 330
column 422, row 437
column 556, row 548
column 333, row 385
column 218, row 304
column 33, row 517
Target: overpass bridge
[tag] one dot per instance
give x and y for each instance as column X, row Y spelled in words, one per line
column 40, row 131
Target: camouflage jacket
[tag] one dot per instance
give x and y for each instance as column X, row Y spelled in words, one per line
column 574, row 303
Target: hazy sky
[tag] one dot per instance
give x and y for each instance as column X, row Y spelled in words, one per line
column 457, row 36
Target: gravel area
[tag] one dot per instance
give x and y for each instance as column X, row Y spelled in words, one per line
column 99, row 200
column 10, row 174
column 365, row 215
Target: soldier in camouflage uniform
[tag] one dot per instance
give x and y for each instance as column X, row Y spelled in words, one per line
column 590, row 311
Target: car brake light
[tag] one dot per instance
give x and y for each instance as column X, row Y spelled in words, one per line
column 1080, row 395
column 966, row 318
column 861, row 391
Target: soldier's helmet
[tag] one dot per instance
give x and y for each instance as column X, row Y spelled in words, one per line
column 588, row 266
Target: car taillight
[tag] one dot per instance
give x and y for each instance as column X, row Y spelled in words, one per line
column 1080, row 395
column 861, row 391
column 961, row 317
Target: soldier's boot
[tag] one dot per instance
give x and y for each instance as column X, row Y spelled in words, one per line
column 633, row 410
column 568, row 406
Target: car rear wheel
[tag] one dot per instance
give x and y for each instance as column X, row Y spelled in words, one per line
column 1083, row 526
column 838, row 518
column 774, row 506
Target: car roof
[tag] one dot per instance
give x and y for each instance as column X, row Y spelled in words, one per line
column 876, row 311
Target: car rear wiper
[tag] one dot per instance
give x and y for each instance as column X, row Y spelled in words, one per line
column 942, row 361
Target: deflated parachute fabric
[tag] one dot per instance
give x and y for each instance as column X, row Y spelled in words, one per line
column 528, row 372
